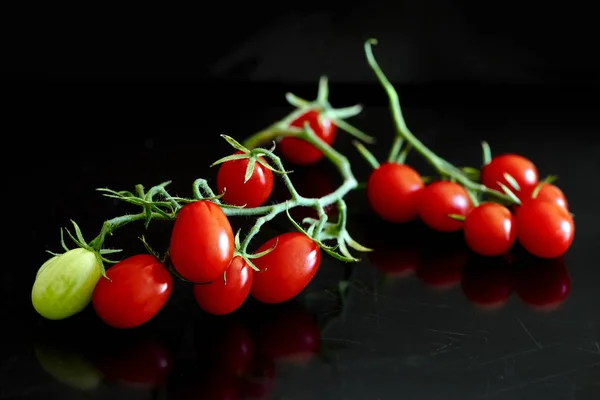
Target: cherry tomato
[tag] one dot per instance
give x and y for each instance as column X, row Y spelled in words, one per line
column 393, row 192
column 258, row 382
column 490, row 229
column 201, row 242
column 138, row 288
column 290, row 335
column 487, row 282
column 224, row 296
column 300, row 152
column 223, row 344
column 311, row 182
column 286, row 270
column 544, row 228
column 440, row 199
column 441, row 269
column 542, row 284
column 547, row 192
column 253, row 193
column 521, row 169
column 145, row 363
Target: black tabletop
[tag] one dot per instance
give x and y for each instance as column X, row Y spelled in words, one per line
column 420, row 318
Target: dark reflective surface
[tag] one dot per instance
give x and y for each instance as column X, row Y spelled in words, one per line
column 422, row 317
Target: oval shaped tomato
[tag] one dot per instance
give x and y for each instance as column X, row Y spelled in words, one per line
column 64, row 284
column 486, row 282
column 286, row 270
column 393, row 192
column 201, row 242
column 253, row 193
column 300, row 152
column 544, row 228
column 490, row 229
column 520, row 168
column 224, row 296
column 291, row 335
column 438, row 200
column 547, row 192
column 542, row 284
column 138, row 288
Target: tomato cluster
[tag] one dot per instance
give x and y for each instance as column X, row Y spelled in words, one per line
column 539, row 219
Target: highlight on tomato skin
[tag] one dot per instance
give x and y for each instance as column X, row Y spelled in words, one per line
column 486, row 282
column 546, row 192
column 290, row 334
column 438, row 200
column 490, row 229
column 521, row 169
column 544, row 285
column 253, row 193
column 136, row 362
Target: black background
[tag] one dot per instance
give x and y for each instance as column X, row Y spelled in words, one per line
column 114, row 96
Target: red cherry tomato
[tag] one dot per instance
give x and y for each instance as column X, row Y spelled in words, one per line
column 138, row 288
column 521, row 169
column 253, row 193
column 140, row 364
column 312, row 182
column 490, row 229
column 201, row 242
column 258, row 381
column 224, row 296
column 544, row 228
column 441, row 269
column 547, row 192
column 440, row 199
column 286, row 270
column 300, row 152
column 542, row 284
column 224, row 344
column 290, row 335
column 393, row 192
column 487, row 282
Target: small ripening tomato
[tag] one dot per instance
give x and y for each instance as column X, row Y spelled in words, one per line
column 440, row 199
column 542, row 284
column 486, row 282
column 546, row 192
column 225, row 295
column 521, row 169
column 300, row 152
column 224, row 344
column 258, row 381
column 287, row 269
column 490, row 229
column 441, row 268
column 544, row 228
column 393, row 192
column 64, row 284
column 291, row 335
column 146, row 363
column 253, row 193
column 138, row 288
column 202, row 242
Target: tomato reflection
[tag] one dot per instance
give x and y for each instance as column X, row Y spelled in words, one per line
column 290, row 335
column 542, row 284
column 486, row 281
column 213, row 385
column 441, row 264
column 221, row 342
column 137, row 362
column 258, row 381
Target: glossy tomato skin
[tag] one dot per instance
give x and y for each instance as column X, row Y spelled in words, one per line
column 519, row 167
column 202, row 242
column 253, row 193
column 300, row 152
column 490, row 229
column 138, row 288
column 393, row 192
column 440, row 199
column 544, row 229
column 286, row 270
column 224, row 296
column 547, row 192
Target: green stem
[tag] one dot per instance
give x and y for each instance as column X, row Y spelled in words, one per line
column 112, row 225
column 442, row 166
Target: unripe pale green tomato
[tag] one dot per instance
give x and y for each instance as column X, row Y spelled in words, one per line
column 64, row 284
